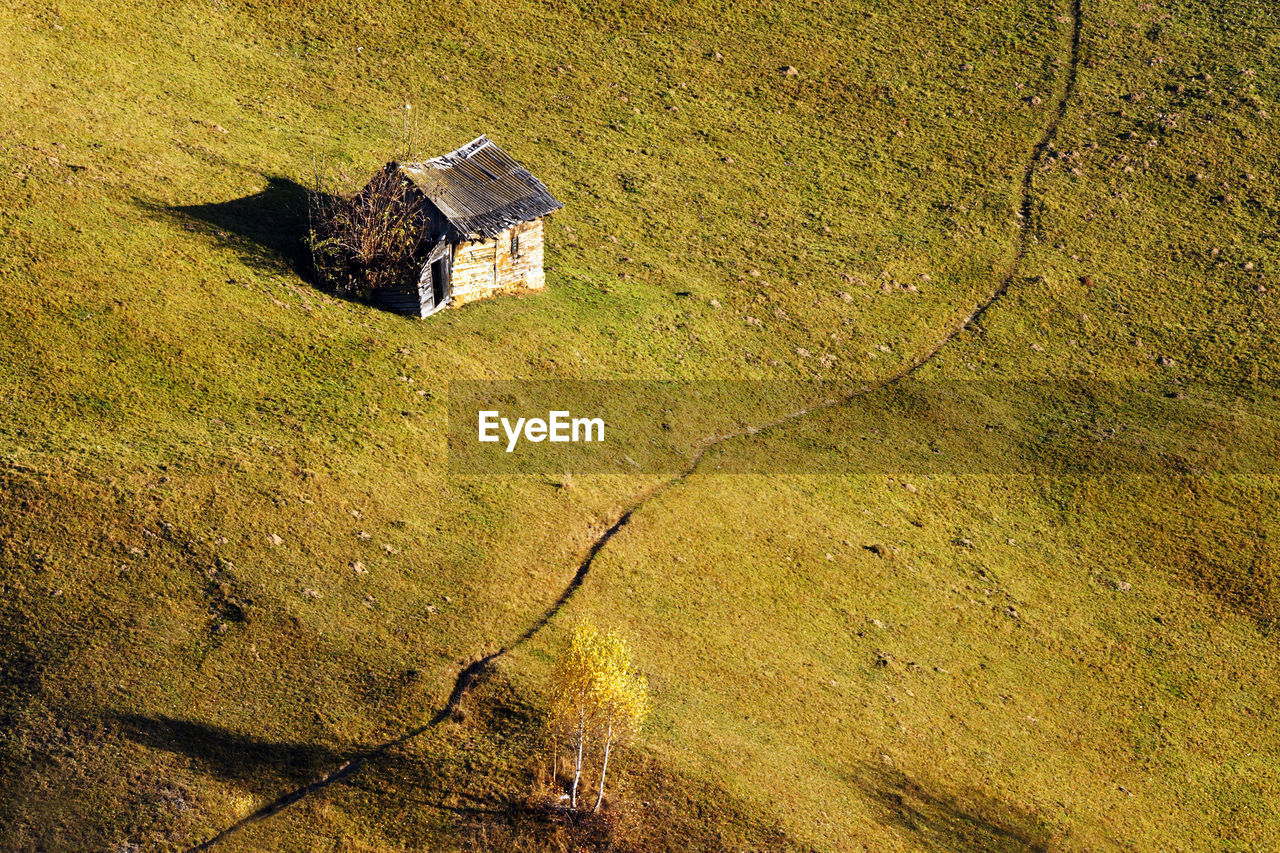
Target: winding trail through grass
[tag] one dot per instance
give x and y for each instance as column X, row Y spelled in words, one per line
column 479, row 667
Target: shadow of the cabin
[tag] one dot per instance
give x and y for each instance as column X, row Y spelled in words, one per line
column 267, row 229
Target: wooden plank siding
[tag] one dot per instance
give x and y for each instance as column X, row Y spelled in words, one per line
column 486, row 267
column 403, row 299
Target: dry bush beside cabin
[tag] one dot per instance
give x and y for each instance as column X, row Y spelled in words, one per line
column 369, row 240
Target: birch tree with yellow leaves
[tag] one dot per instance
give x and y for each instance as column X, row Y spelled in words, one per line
column 597, row 700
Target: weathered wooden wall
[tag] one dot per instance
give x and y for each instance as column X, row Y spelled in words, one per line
column 486, row 267
column 403, row 299
column 473, row 271
column 524, row 272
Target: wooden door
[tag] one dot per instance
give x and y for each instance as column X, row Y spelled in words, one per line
column 435, row 282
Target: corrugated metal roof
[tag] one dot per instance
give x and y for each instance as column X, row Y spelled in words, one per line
column 480, row 189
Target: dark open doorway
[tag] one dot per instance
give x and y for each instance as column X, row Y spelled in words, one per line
column 434, row 283
column 440, row 281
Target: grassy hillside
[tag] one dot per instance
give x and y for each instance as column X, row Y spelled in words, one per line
column 231, row 556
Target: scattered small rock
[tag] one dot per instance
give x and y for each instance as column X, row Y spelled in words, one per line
column 802, row 352
column 910, row 488
column 966, row 66
column 389, row 548
column 308, row 592
column 363, row 536
column 1034, row 100
column 359, row 568
column 274, row 539
column 789, row 71
column 1165, row 361
column 1124, row 586
column 844, row 296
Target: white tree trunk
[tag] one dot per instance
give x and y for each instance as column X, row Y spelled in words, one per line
column 577, row 764
column 604, row 766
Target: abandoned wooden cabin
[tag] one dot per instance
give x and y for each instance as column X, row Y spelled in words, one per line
column 483, row 226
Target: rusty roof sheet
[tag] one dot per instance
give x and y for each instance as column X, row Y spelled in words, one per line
column 480, row 189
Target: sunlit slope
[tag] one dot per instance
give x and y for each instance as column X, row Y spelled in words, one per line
column 179, row 401
column 159, row 157
column 1012, row 667
column 195, row 440
column 975, row 660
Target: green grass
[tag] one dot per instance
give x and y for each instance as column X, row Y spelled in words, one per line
column 175, row 394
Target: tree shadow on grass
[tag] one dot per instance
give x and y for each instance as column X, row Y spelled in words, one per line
column 955, row 822
column 229, row 756
column 481, row 781
column 468, row 783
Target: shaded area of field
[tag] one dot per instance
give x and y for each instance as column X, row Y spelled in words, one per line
column 268, row 228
